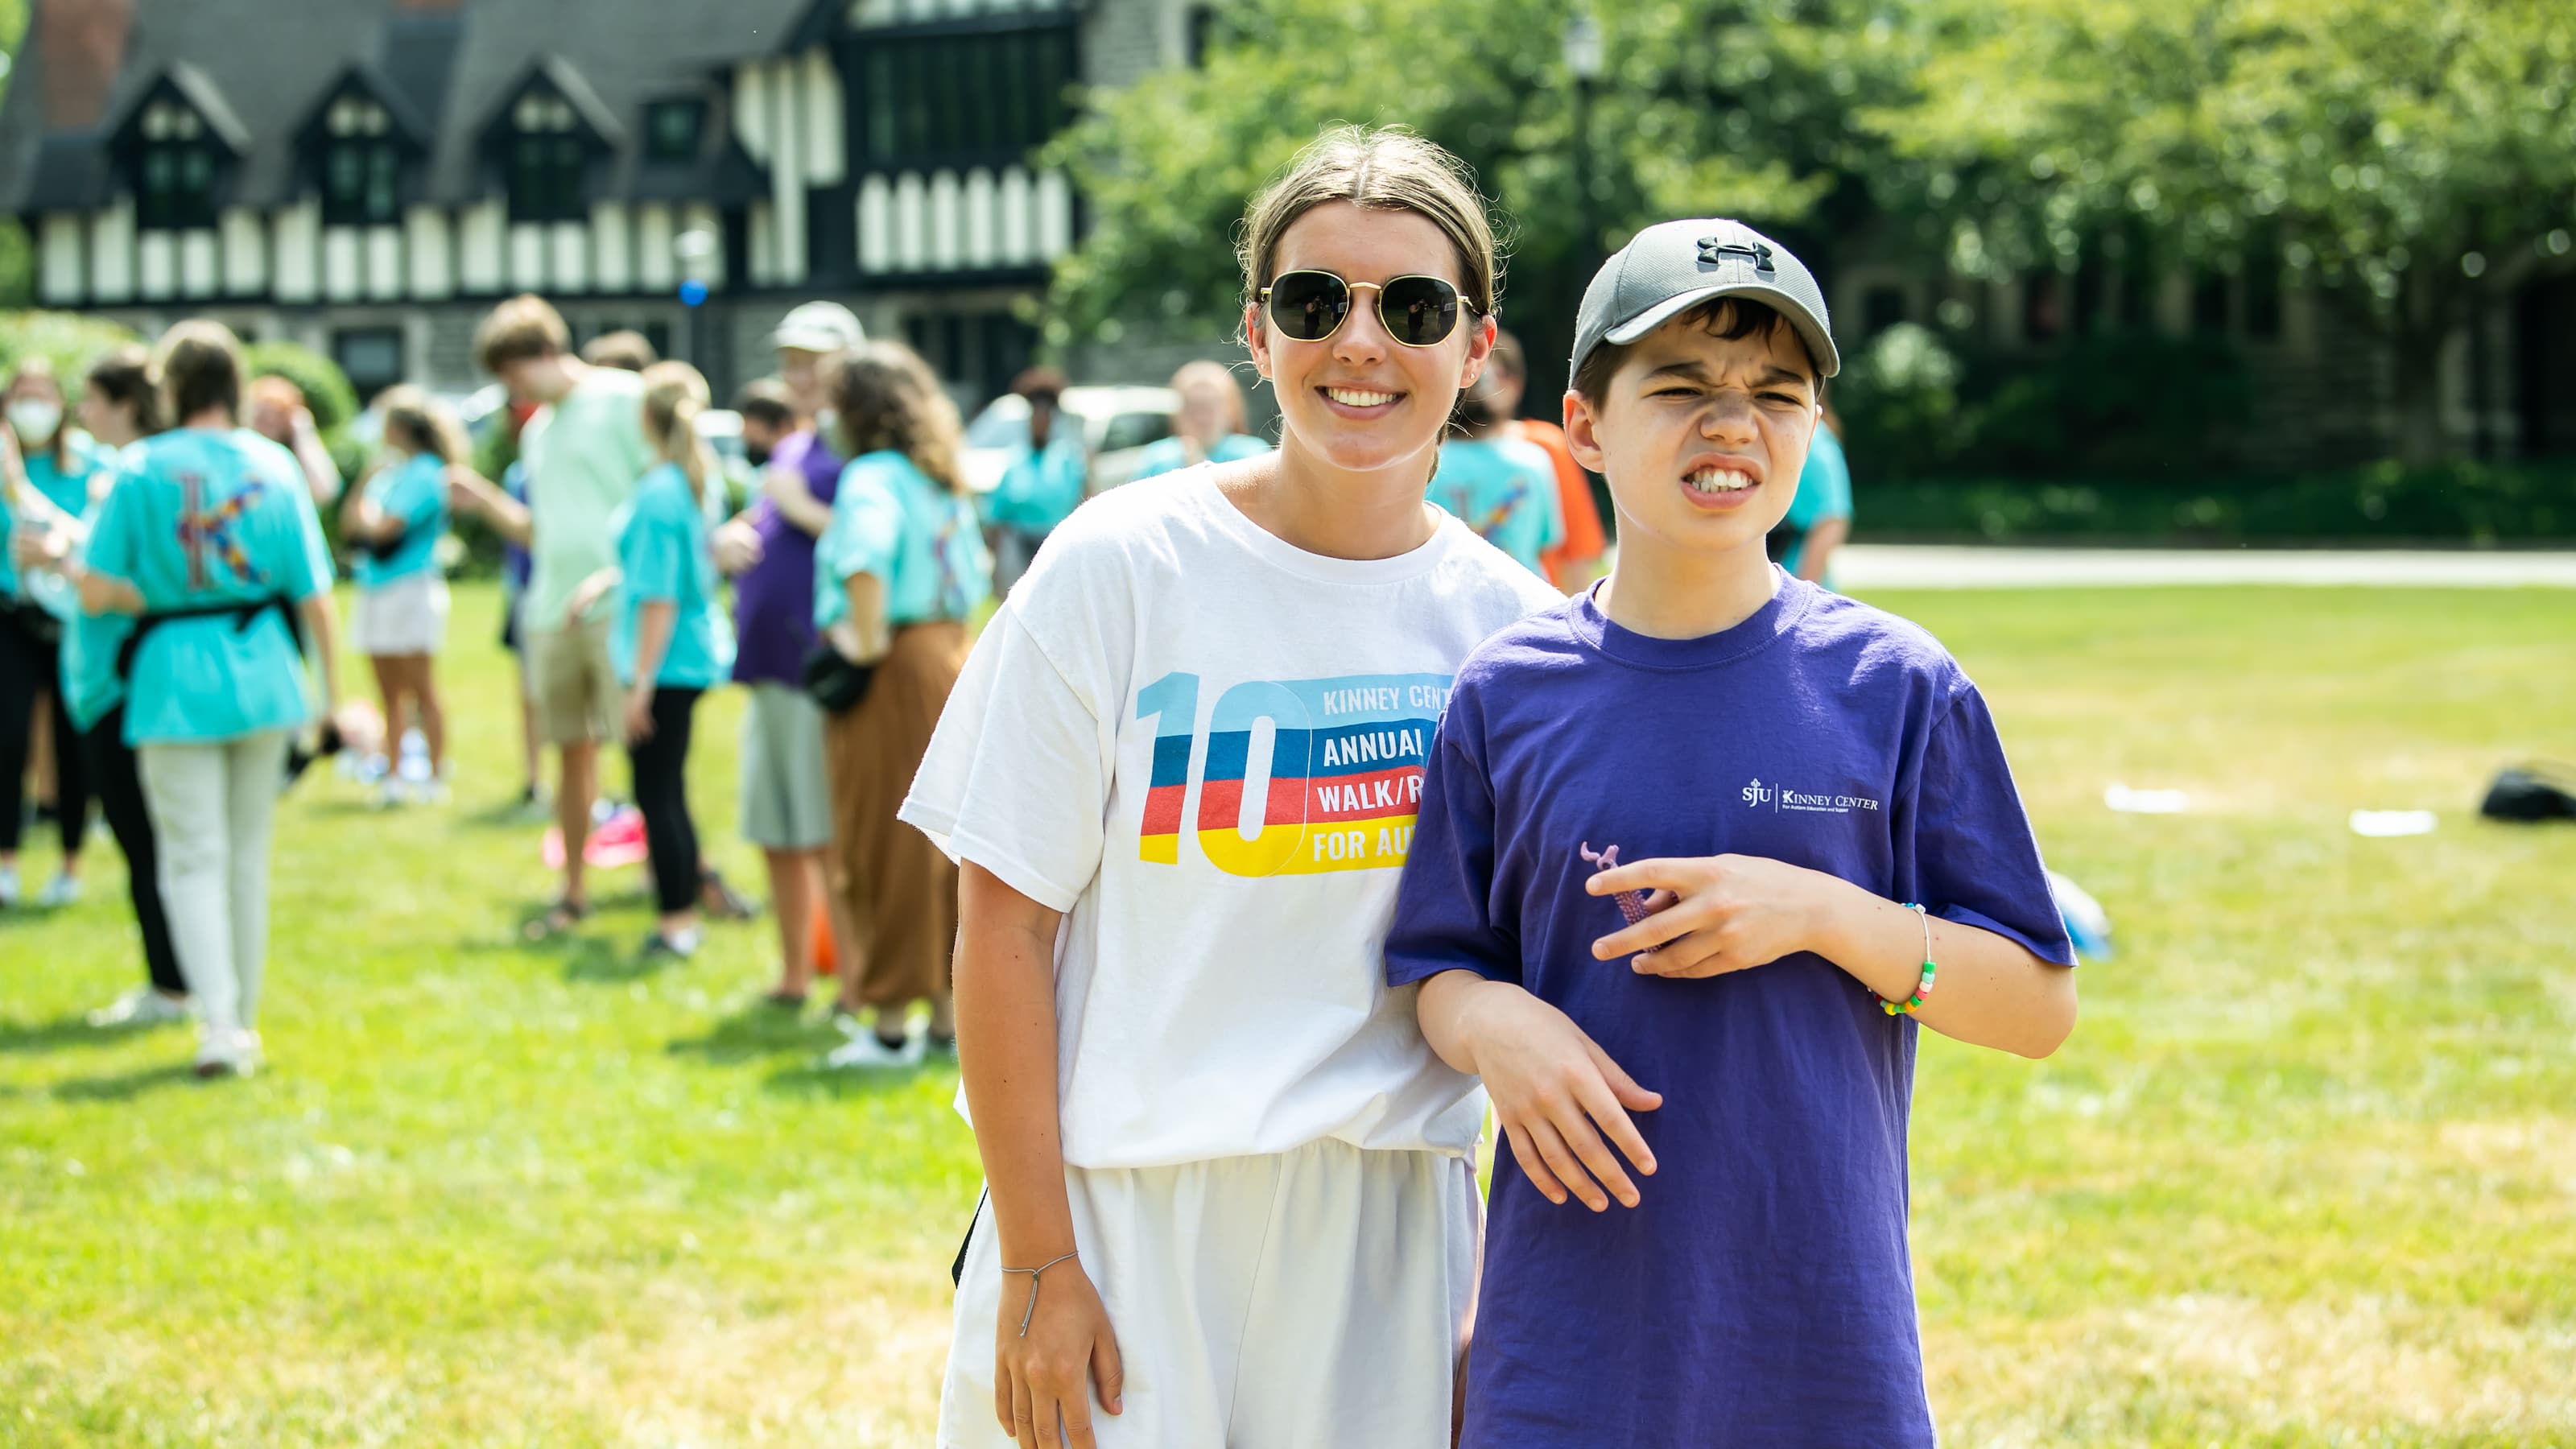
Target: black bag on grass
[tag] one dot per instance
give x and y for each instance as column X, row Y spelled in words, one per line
column 2531, row 793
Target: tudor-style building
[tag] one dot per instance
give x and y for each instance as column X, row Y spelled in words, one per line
column 368, row 176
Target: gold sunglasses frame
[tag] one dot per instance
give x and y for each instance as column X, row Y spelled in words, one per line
column 1465, row 303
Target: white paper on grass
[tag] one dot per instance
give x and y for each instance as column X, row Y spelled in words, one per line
column 2382, row 823
column 2145, row 802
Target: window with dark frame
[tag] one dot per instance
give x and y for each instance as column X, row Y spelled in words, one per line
column 371, row 356
column 991, row 95
column 547, row 161
column 671, row 129
column 174, row 171
column 361, row 164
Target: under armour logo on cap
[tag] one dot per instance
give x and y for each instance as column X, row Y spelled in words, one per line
column 1712, row 251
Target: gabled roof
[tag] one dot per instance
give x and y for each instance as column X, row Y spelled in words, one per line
column 199, row 92
column 559, row 75
column 258, row 69
column 369, row 80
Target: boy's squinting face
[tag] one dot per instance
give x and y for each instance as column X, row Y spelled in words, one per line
column 1700, row 436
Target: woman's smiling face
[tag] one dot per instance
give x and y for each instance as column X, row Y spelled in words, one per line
column 1359, row 401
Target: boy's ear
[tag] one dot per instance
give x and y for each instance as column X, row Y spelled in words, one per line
column 1582, row 437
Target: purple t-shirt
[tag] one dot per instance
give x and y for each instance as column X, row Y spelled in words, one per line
column 773, row 601
column 1761, row 1294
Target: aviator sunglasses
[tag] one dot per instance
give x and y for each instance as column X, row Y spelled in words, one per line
column 1310, row 306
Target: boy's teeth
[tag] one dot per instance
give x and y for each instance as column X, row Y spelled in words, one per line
column 1354, row 398
column 1719, row 480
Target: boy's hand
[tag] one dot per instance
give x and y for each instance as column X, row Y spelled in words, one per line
column 1048, row 1373
column 1713, row 914
column 1553, row 1086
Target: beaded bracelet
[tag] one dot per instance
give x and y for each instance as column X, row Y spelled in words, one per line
column 1922, row 988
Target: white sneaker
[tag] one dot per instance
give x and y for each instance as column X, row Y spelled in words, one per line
column 142, row 1006
column 8, row 885
column 392, row 793
column 863, row 1050
column 221, row 1052
column 62, row 890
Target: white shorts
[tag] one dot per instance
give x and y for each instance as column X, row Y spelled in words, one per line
column 407, row 616
column 1316, row 1299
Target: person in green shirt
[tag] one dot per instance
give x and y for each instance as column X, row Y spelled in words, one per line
column 671, row 641
column 584, row 452
column 210, row 537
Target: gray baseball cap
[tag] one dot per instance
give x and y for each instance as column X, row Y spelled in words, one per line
column 1673, row 266
column 819, row 327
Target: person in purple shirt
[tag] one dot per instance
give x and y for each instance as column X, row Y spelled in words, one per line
column 769, row 551
column 1690, row 845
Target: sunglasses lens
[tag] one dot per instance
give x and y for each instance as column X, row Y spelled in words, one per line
column 1308, row 305
column 1418, row 311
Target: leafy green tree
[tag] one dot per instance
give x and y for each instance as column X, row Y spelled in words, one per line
column 1729, row 107
column 2388, row 153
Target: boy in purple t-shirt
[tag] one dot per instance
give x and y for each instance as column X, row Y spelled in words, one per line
column 1662, row 900
column 769, row 551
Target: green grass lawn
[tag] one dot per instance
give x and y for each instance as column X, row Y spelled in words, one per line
column 2305, row 1174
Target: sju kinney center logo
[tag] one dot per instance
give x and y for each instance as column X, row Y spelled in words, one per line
column 1781, row 797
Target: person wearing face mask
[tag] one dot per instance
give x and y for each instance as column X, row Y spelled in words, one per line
column 119, row 407
column 1044, row 482
column 769, row 550
column 52, row 493
column 1209, row 428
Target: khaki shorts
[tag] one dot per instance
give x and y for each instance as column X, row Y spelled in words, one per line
column 786, row 801
column 572, row 684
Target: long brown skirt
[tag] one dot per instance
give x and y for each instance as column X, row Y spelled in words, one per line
column 901, row 892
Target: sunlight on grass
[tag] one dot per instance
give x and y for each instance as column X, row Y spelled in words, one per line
column 2305, row 1175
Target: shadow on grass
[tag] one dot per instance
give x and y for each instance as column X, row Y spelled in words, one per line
column 125, row 1085
column 810, row 1078
column 65, row 1031
column 757, row 1032
column 507, row 815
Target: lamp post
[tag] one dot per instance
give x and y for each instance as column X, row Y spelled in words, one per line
column 1583, row 63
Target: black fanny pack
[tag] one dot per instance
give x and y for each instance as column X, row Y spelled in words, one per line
column 243, row 616
column 381, row 549
column 833, row 681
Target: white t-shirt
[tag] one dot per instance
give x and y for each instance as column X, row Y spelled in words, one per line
column 1220, row 991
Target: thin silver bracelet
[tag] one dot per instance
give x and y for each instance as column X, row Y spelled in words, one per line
column 1032, row 1310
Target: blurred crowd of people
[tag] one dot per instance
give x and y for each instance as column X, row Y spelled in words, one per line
column 167, row 621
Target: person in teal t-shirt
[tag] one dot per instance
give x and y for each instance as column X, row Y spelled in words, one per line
column 395, row 523
column 1044, row 482
column 210, row 537
column 1499, row 485
column 1819, row 516
column 52, row 490
column 670, row 641
column 1209, row 428
column 897, row 575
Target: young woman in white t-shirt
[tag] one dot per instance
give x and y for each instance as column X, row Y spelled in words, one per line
column 1231, row 1191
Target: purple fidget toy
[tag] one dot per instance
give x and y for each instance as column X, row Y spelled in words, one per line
column 1632, row 904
